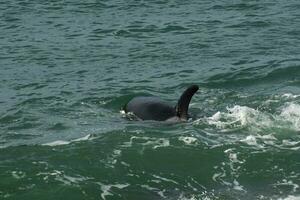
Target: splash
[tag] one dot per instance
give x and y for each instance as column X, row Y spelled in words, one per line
column 256, row 120
column 291, row 113
column 238, row 117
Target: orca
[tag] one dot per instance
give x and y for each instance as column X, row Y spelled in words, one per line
column 154, row 108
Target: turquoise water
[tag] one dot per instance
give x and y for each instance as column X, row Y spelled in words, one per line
column 68, row 67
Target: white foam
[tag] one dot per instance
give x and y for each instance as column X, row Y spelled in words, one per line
column 18, row 174
column 165, row 179
column 63, row 142
column 215, row 119
column 243, row 114
column 5, row 195
column 290, row 96
column 217, row 176
column 62, row 177
column 69, row 180
column 162, row 142
column 147, row 141
column 202, row 196
column 290, row 143
column 88, row 136
column 112, row 159
column 267, row 137
column 160, row 193
column 239, row 116
column 193, row 197
column 129, row 115
column 102, row 102
column 260, row 124
column 290, row 197
column 125, row 164
column 106, row 189
column 237, row 186
column 291, row 113
column 257, row 121
column 188, row 140
column 56, row 143
column 289, row 183
column 232, row 156
column 250, row 140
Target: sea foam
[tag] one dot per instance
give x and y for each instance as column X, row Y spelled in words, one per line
column 63, row 142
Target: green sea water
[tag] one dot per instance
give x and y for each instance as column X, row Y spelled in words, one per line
column 67, row 67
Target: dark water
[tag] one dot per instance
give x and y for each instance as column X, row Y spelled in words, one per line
column 67, row 68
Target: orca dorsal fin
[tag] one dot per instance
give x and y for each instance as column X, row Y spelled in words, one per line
column 184, row 101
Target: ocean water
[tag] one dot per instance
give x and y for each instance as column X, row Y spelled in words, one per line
column 67, row 68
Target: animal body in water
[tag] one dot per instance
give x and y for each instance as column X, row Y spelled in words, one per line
column 153, row 108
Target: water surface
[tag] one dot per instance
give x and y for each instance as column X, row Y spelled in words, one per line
column 68, row 67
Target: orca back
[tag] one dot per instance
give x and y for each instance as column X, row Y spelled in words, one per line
column 150, row 108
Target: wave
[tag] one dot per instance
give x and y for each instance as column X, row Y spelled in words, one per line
column 260, row 128
column 243, row 116
column 272, row 72
column 291, row 113
column 241, row 124
column 64, row 142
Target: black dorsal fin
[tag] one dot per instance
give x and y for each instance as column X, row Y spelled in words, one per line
column 184, row 101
